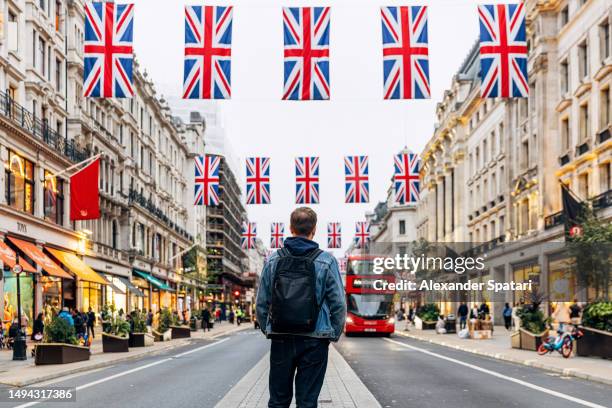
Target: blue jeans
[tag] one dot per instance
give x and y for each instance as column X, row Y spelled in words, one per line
column 304, row 355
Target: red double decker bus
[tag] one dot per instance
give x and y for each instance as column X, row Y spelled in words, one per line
column 369, row 302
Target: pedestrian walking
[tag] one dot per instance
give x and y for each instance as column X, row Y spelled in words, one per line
column 507, row 316
column 150, row 318
column 65, row 314
column 295, row 320
column 575, row 313
column 206, row 319
column 462, row 312
column 91, row 322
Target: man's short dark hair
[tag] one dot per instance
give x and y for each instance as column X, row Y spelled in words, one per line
column 303, row 221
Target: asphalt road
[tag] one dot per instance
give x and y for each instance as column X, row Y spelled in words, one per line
column 401, row 376
column 196, row 375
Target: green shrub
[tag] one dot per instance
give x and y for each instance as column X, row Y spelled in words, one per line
column 59, row 331
column 598, row 315
column 140, row 321
column 118, row 325
column 167, row 319
column 428, row 312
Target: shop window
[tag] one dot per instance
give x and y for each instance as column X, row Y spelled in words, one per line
column 562, row 279
column 54, row 199
column 92, row 296
column 525, row 273
column 20, row 183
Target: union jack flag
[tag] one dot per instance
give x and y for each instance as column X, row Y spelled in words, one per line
column 356, row 179
column 108, row 52
column 208, row 50
column 334, row 235
column 362, row 234
column 306, row 32
column 503, row 51
column 277, row 235
column 405, row 52
column 258, row 180
column 342, row 264
column 307, row 180
column 207, row 180
column 249, row 235
column 406, row 178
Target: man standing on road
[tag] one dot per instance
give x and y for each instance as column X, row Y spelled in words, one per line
column 301, row 308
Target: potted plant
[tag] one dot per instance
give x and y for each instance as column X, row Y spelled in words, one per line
column 597, row 331
column 117, row 335
column 139, row 337
column 59, row 345
column 533, row 328
column 166, row 319
column 195, row 322
column 427, row 316
column 179, row 331
column 105, row 317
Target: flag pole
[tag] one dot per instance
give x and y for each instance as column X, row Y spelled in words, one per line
column 74, row 166
column 576, row 196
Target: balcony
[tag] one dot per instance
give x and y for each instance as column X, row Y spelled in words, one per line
column 26, row 121
column 602, row 201
column 554, row 220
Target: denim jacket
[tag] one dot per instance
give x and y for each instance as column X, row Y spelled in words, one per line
column 329, row 290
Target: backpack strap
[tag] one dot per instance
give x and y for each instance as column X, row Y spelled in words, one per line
column 314, row 254
column 284, row 252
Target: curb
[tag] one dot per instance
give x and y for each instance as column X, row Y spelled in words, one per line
column 568, row 372
column 104, row 364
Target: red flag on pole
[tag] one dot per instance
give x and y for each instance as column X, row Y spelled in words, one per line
column 84, row 193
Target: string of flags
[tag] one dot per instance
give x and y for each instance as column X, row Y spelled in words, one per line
column 109, row 54
column 277, row 235
column 356, row 179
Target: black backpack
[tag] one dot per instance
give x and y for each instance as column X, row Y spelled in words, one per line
column 294, row 307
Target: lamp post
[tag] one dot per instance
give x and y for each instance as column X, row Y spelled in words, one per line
column 19, row 346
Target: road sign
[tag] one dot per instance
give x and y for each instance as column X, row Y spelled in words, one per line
column 17, row 269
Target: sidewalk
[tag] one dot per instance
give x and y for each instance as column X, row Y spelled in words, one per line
column 341, row 389
column 22, row 373
column 593, row 369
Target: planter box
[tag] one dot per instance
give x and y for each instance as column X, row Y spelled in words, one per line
column 59, row 353
column 141, row 340
column 423, row 324
column 531, row 341
column 595, row 343
column 196, row 324
column 165, row 336
column 115, row 344
column 180, row 332
column 515, row 339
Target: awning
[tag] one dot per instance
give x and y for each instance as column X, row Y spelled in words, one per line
column 133, row 289
column 156, row 282
column 40, row 258
column 77, row 266
column 8, row 258
column 109, row 282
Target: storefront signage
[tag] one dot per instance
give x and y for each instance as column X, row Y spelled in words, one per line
column 21, row 227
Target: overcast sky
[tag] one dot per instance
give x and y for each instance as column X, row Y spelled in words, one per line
column 356, row 121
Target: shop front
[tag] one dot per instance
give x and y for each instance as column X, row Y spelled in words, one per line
column 116, row 293
column 8, row 260
column 525, row 272
column 160, row 292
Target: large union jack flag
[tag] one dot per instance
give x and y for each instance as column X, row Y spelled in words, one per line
column 307, row 180
column 306, row 32
column 406, row 178
column 108, row 51
column 258, row 180
column 207, row 180
column 334, row 235
column 208, row 50
column 362, row 234
column 356, row 179
column 405, row 52
column 249, row 235
column 503, row 51
column 277, row 235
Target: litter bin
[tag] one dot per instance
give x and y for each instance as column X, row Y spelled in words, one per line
column 450, row 325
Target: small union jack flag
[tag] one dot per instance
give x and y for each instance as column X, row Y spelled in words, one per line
column 334, row 235
column 406, row 178
column 258, row 180
column 306, row 32
column 208, row 50
column 108, row 52
column 307, row 180
column 503, row 51
column 356, row 179
column 362, row 234
column 277, row 235
column 207, row 180
column 405, row 52
column 342, row 264
column 249, row 235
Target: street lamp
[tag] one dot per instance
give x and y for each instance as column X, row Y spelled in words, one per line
column 19, row 346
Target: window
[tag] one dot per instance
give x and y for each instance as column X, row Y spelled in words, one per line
column 53, row 199
column 604, row 109
column 20, row 183
column 13, row 32
column 525, row 154
column 402, row 227
column 564, row 76
column 604, row 178
column 565, row 134
column 58, row 74
column 485, row 152
column 564, row 17
column 42, row 50
column 584, row 122
column 583, row 186
column 604, row 40
column 583, row 58
column 41, row 4
column 58, row 9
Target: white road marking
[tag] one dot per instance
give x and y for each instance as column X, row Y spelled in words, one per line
column 133, row 370
column 502, row 376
